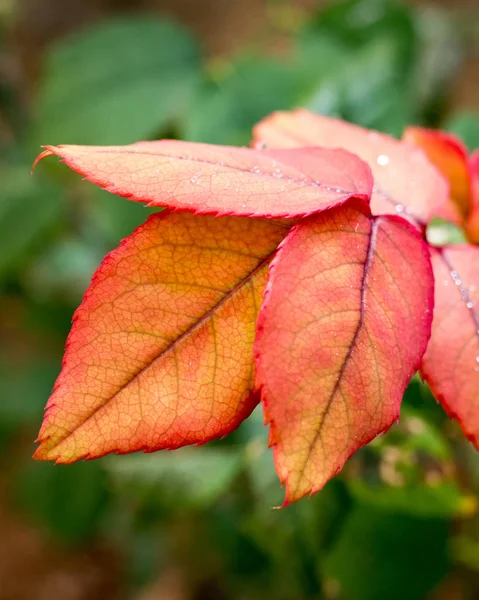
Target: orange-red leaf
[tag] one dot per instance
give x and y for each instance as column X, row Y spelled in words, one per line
column 472, row 224
column 451, row 362
column 222, row 180
column 344, row 325
column 405, row 181
column 449, row 155
column 160, row 352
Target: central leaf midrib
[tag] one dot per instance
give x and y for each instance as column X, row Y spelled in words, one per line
column 367, row 267
column 189, row 330
column 307, row 180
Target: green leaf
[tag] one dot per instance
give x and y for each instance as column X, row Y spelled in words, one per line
column 63, row 270
column 23, row 389
column 385, row 555
column 359, row 23
column 442, row 233
column 112, row 219
column 227, row 109
column 375, row 95
column 466, row 126
column 439, row 55
column 70, row 501
column 190, row 477
column 443, row 500
column 117, row 82
column 371, row 79
column 28, row 209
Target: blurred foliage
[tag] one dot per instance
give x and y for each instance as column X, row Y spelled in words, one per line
column 144, row 80
column 401, row 519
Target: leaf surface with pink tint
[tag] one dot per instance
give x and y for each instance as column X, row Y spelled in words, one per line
column 406, row 183
column 451, row 362
column 222, row 180
column 160, row 352
column 345, row 321
column 449, row 155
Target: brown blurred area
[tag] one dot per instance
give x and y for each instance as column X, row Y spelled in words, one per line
column 221, row 25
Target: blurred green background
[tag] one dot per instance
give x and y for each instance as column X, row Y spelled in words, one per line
column 402, row 520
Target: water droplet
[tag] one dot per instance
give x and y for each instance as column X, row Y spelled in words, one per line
column 195, row 179
column 477, row 358
column 399, row 208
column 456, row 278
column 382, row 160
column 469, row 304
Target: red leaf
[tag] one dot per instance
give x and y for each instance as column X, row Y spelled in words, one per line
column 160, row 352
column 222, row 180
column 451, row 362
column 472, row 224
column 344, row 324
column 405, row 181
column 449, row 155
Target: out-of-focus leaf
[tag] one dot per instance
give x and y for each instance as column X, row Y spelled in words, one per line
column 117, row 82
column 422, row 436
column 415, row 434
column 63, row 270
column 113, row 220
column 23, row 390
column 442, row 233
column 439, row 53
column 320, row 58
column 377, row 96
column 466, row 126
column 465, row 551
column 371, row 83
column 367, row 91
column 443, row 500
column 357, row 22
column 226, row 110
column 185, row 478
column 69, row 501
column 386, row 555
column 28, row 209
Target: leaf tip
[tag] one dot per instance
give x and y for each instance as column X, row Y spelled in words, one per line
column 49, row 151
